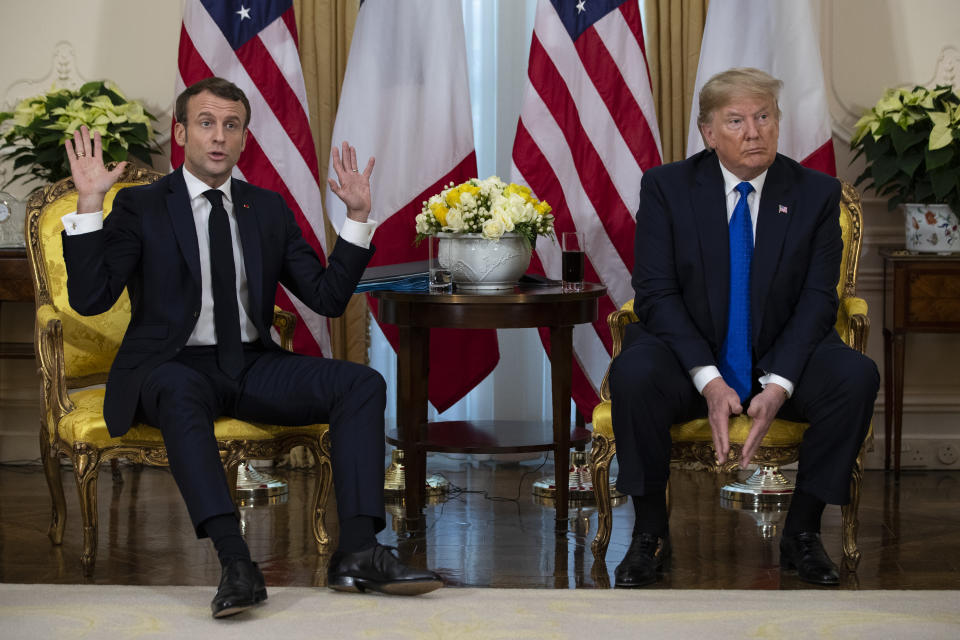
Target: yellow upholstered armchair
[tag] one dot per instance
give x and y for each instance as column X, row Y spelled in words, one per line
column 74, row 354
column 693, row 441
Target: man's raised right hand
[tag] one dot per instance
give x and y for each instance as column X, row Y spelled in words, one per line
column 90, row 175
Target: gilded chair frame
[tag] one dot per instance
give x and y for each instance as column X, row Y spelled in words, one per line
column 782, row 444
column 237, row 440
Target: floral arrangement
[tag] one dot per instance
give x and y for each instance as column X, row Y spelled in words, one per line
column 911, row 140
column 41, row 124
column 490, row 207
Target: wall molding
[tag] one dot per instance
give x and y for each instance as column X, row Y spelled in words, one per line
column 64, row 74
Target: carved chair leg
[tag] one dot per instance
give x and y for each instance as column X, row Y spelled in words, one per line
column 86, row 466
column 51, row 469
column 601, row 453
column 231, row 470
column 115, row 471
column 324, row 472
column 851, row 520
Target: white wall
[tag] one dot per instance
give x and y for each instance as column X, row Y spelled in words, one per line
column 868, row 46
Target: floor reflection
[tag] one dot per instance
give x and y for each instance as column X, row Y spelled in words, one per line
column 488, row 531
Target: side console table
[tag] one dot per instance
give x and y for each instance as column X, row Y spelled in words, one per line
column 921, row 294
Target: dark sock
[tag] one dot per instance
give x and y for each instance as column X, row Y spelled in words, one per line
column 650, row 513
column 804, row 514
column 356, row 534
column 224, row 531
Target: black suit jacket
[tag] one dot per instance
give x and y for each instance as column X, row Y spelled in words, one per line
column 681, row 275
column 149, row 245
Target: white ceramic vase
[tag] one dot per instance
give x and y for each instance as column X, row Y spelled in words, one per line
column 476, row 263
column 931, row 228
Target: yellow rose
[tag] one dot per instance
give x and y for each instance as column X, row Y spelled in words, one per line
column 543, row 208
column 439, row 212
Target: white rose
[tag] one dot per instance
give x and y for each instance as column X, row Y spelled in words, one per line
column 423, row 226
column 507, row 219
column 493, row 228
column 454, row 220
column 467, row 200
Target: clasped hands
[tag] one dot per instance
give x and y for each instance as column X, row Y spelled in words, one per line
column 723, row 401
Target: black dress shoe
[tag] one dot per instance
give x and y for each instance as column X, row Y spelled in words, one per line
column 646, row 556
column 379, row 569
column 805, row 553
column 241, row 587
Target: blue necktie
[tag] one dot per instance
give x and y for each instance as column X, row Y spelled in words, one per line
column 736, row 362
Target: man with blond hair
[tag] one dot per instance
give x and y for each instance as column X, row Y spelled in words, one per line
column 737, row 257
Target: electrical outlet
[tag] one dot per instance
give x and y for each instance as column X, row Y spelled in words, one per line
column 947, row 454
column 912, row 456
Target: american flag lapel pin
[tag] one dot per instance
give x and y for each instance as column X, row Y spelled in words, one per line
column 246, row 206
column 782, row 209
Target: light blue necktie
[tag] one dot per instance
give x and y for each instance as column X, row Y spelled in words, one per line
column 736, row 363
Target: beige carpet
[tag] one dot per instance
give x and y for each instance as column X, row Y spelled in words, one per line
column 68, row 612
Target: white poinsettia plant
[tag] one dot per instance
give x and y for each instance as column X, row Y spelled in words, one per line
column 489, row 207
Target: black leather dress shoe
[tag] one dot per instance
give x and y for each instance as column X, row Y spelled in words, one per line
column 647, row 555
column 241, row 587
column 379, row 569
column 805, row 553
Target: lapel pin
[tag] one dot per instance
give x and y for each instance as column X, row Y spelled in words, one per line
column 246, row 206
column 782, row 209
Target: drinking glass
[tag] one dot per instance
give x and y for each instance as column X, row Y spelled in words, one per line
column 440, row 279
column 572, row 262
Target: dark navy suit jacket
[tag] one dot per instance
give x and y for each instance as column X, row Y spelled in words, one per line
column 149, row 245
column 681, row 275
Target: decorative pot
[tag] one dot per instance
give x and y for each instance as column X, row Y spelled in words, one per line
column 931, row 228
column 476, row 263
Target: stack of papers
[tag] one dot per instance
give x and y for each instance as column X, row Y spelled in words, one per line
column 408, row 276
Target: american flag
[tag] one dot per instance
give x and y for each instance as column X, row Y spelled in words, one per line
column 587, row 132
column 254, row 45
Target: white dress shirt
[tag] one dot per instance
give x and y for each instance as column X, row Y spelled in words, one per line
column 702, row 375
column 204, row 332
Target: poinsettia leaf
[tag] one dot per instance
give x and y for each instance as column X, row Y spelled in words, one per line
column 141, row 154
column 903, row 140
column 938, row 157
column 47, row 155
column 923, row 191
column 942, row 182
column 911, row 160
column 884, row 168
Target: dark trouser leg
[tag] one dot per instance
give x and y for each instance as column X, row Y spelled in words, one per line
column 650, row 391
column 835, row 394
column 183, row 403
column 289, row 389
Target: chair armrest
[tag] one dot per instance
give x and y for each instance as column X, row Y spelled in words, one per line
column 617, row 321
column 853, row 323
column 285, row 322
column 50, row 360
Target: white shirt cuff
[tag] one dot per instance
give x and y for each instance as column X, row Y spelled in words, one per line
column 702, row 375
column 358, row 233
column 76, row 223
column 780, row 380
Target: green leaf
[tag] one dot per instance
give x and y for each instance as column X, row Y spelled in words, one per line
column 938, row 158
column 903, row 140
column 911, row 160
column 141, row 154
column 923, row 191
column 884, row 169
column 117, row 153
column 943, row 182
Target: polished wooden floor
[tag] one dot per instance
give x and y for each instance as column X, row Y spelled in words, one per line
column 490, row 532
